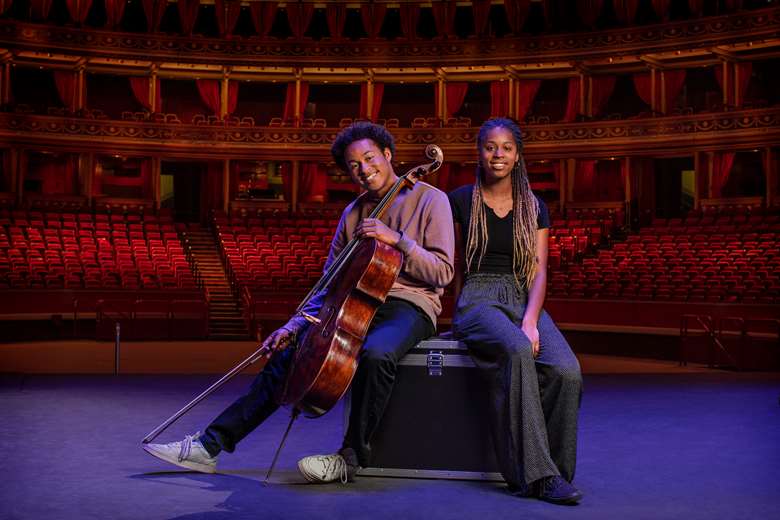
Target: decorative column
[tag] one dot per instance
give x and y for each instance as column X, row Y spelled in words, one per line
column 571, row 168
column 156, row 174
column 223, row 93
column 771, row 177
column 662, row 92
column 513, row 101
column 296, row 172
column 297, row 107
column 627, row 206
column 5, row 78
column 654, row 78
column 562, row 184
column 441, row 110
column 81, row 85
column 89, row 173
column 153, row 94
column 84, row 168
column 370, row 100
column 225, row 185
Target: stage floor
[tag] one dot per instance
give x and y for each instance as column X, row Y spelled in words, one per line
column 688, row 444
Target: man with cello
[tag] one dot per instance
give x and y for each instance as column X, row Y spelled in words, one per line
column 418, row 223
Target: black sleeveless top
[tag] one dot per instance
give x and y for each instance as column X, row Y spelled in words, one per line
column 498, row 255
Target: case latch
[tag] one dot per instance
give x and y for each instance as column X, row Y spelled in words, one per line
column 435, row 363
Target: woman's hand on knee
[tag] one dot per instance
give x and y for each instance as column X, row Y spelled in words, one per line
column 532, row 333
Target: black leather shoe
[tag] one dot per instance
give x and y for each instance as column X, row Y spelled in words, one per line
column 557, row 491
column 522, row 490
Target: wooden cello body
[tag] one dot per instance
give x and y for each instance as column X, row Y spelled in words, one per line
column 326, row 358
column 357, row 284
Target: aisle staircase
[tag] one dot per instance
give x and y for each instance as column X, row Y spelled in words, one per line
column 225, row 319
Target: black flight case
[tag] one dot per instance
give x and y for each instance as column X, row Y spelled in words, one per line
column 436, row 424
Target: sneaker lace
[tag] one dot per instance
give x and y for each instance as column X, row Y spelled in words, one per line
column 186, row 446
column 335, row 464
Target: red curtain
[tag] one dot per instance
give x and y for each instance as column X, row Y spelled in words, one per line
column 626, row 10
column 373, row 15
column 227, row 12
column 673, row 83
column 379, row 90
column 289, row 102
column 232, row 96
column 721, row 169
column 608, row 183
column 589, row 10
column 444, row 17
column 78, row 9
column 66, row 88
column 481, row 13
column 209, row 93
column 456, row 94
column 314, row 183
column 299, row 15
column 140, row 87
column 441, row 178
column 115, row 9
column 410, row 15
column 661, row 8
column 499, row 98
column 263, row 14
column 38, row 8
column 603, row 86
column 188, row 14
column 526, row 92
column 214, row 185
column 336, row 15
column 57, row 176
column 696, row 7
column 517, row 13
column 573, row 105
column 743, row 71
column 643, row 84
column 4, row 5
column 584, row 177
column 154, row 11
column 459, row 175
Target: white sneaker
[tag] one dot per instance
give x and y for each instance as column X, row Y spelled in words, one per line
column 320, row 469
column 188, row 453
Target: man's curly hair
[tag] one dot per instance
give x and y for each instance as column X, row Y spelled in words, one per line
column 356, row 132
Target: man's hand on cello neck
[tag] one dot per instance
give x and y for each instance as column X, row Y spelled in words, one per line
column 375, row 228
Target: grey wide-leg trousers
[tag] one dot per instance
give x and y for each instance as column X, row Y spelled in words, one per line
column 534, row 402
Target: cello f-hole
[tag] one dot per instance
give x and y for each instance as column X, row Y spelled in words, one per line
column 326, row 327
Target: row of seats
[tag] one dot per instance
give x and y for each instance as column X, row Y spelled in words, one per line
column 736, row 267
column 83, row 251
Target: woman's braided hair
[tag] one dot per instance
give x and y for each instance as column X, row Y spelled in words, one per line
column 524, row 216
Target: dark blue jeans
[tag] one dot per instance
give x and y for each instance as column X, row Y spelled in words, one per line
column 396, row 328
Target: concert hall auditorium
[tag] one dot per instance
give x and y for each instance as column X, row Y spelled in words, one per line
column 169, row 198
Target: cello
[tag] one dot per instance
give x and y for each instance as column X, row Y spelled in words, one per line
column 355, row 284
